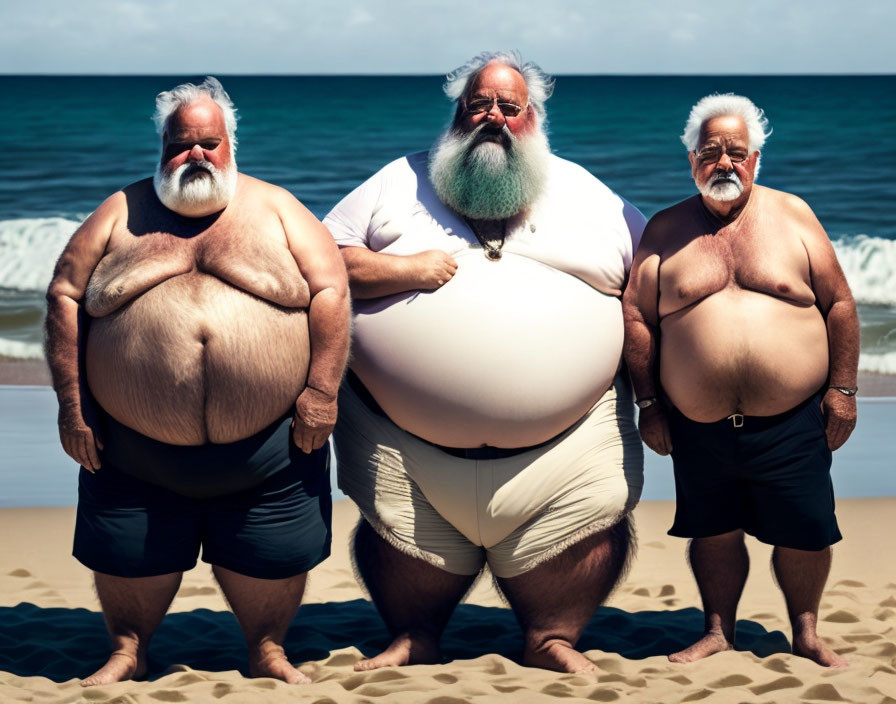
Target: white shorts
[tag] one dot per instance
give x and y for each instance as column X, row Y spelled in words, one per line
column 513, row 512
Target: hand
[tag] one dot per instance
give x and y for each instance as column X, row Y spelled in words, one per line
column 79, row 432
column 314, row 420
column 654, row 429
column 433, row 269
column 839, row 412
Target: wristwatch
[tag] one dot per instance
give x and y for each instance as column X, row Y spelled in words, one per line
column 846, row 390
column 645, row 402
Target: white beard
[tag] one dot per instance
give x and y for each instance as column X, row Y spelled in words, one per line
column 201, row 194
column 722, row 187
column 487, row 180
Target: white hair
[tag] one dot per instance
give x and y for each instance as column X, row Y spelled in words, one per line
column 539, row 84
column 719, row 105
column 170, row 101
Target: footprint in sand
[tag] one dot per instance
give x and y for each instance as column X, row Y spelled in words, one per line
column 824, row 692
column 788, row 682
column 222, row 689
column 883, row 614
column 641, row 591
column 764, row 616
column 601, row 694
column 346, row 585
column 655, row 544
column 19, row 573
column 731, row 681
column 861, row 638
column 37, row 585
column 841, row 616
column 445, row 678
column 169, row 695
column 889, row 601
column 666, row 590
column 849, row 583
column 698, row 695
column 777, row 664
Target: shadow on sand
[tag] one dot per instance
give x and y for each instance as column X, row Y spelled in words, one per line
column 62, row 644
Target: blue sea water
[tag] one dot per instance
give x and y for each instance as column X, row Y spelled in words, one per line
column 68, row 142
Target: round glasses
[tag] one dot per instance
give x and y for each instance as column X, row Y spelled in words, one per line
column 711, row 155
column 481, row 105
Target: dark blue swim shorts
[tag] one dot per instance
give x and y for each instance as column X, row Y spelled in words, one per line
column 769, row 477
column 277, row 527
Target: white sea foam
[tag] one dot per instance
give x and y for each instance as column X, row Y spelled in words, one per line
column 29, row 248
column 870, row 267
column 21, row 350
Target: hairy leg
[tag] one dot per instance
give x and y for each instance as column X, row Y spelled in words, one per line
column 264, row 609
column 802, row 574
column 133, row 608
column 720, row 565
column 414, row 598
column 554, row 601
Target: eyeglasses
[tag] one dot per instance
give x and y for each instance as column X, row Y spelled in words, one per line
column 481, row 105
column 711, row 155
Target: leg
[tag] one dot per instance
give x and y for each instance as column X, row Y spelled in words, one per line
column 720, row 565
column 133, row 608
column 801, row 574
column 414, row 598
column 264, row 609
column 554, row 601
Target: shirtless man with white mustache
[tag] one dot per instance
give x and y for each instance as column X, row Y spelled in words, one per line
column 742, row 342
column 197, row 331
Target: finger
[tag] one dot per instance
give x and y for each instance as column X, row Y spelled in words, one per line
column 81, row 454
column 92, row 454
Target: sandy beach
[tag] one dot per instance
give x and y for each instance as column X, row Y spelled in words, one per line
column 52, row 632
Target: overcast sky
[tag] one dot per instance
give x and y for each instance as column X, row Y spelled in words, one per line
column 418, row 37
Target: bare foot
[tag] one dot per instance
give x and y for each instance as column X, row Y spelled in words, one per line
column 119, row 667
column 816, row 649
column 404, row 650
column 558, row 656
column 710, row 644
column 274, row 664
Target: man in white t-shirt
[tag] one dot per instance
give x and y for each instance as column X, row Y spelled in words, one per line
column 484, row 419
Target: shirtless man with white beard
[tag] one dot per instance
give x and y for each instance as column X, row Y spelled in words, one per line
column 484, row 420
column 197, row 331
column 742, row 343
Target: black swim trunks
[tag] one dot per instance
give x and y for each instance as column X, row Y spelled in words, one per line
column 272, row 522
column 770, row 477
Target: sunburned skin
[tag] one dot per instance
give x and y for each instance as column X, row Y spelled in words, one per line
column 199, row 336
column 740, row 328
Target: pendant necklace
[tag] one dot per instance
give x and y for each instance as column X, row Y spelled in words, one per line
column 492, row 253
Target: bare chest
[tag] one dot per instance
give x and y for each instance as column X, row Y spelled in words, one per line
column 250, row 256
column 761, row 258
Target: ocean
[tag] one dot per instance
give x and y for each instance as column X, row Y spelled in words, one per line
column 69, row 142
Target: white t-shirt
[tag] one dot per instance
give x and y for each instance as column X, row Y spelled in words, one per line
column 507, row 353
column 578, row 225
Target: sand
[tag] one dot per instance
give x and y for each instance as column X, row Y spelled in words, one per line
column 51, row 631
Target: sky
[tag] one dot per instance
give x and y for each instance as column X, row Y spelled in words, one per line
column 418, row 37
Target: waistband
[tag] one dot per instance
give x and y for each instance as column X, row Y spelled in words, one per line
column 739, row 420
column 468, row 453
column 200, row 471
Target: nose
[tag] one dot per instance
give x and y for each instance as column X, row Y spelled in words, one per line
column 494, row 113
column 725, row 162
column 196, row 154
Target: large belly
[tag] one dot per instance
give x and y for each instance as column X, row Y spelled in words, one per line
column 507, row 354
column 742, row 351
column 195, row 360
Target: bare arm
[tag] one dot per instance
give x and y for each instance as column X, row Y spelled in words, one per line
column 639, row 307
column 328, row 323
column 66, row 329
column 372, row 274
column 836, row 303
